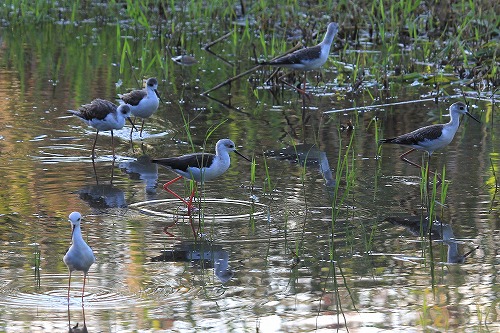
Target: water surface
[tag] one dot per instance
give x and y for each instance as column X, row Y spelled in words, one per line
column 286, row 253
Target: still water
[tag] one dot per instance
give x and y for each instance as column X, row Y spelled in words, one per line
column 302, row 247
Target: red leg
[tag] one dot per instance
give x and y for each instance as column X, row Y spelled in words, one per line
column 165, row 187
column 188, row 203
column 195, row 234
column 168, row 233
column 439, row 180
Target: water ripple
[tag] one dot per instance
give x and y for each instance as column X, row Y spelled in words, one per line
column 212, row 208
column 53, row 295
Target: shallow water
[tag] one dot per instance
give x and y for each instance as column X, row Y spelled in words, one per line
column 269, row 261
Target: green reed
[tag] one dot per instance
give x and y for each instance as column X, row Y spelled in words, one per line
column 496, row 185
column 345, row 169
column 389, row 21
column 253, row 167
column 267, row 185
column 429, row 197
column 36, row 264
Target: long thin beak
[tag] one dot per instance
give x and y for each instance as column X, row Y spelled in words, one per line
column 467, row 113
column 72, row 230
column 470, row 252
column 132, row 123
column 237, row 152
column 158, row 95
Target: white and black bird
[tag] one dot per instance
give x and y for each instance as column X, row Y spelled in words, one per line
column 143, row 103
column 79, row 256
column 308, row 58
column 199, row 167
column 432, row 137
column 103, row 116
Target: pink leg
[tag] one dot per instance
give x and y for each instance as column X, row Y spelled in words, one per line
column 83, row 288
column 113, row 144
column 407, row 160
column 300, row 91
column 142, row 126
column 69, row 285
column 131, row 131
column 93, row 146
column 403, row 157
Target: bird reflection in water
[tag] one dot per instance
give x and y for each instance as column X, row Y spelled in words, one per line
column 203, row 254
column 419, row 226
column 306, row 154
column 103, row 196
column 142, row 169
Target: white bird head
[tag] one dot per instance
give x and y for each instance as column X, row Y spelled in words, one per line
column 124, row 110
column 75, row 219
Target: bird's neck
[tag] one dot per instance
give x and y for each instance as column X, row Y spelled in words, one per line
column 151, row 92
column 222, row 153
column 455, row 120
column 328, row 39
column 77, row 236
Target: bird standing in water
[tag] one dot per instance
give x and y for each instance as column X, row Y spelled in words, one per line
column 308, row 58
column 432, row 137
column 199, row 167
column 103, row 116
column 79, row 256
column 143, row 103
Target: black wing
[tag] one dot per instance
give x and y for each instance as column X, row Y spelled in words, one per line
column 430, row 132
column 197, row 160
column 297, row 57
